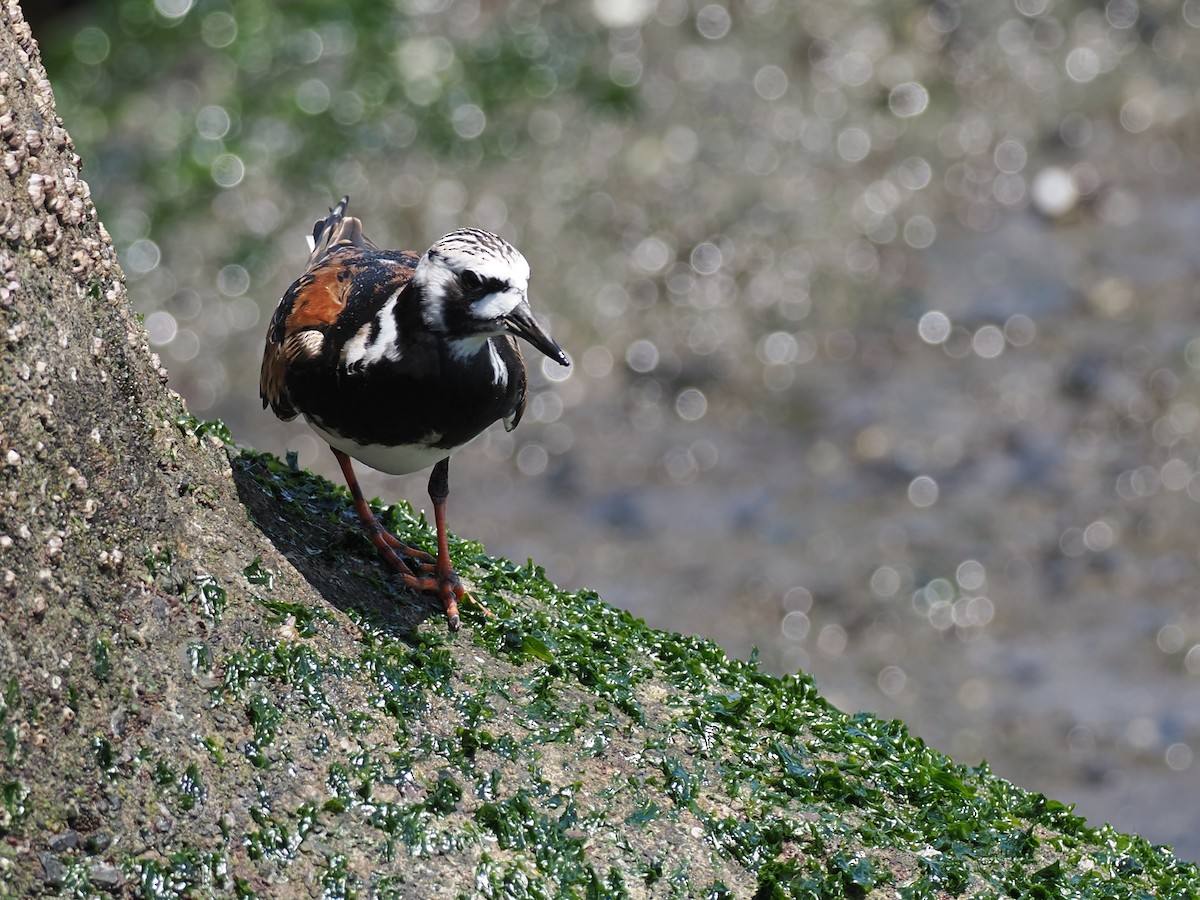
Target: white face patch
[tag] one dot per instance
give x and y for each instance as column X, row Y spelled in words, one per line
column 497, row 305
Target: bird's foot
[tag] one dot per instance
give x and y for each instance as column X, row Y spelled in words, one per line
column 415, row 569
column 401, row 557
column 419, row 562
column 428, row 579
column 451, row 591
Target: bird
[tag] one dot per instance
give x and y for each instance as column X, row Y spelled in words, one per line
column 398, row 360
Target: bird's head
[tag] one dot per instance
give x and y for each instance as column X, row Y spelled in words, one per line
column 474, row 286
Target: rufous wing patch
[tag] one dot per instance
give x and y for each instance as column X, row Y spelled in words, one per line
column 304, row 329
column 320, row 296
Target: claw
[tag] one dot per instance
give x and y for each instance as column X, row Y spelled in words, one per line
column 414, row 568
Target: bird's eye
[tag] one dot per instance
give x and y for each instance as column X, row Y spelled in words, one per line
column 471, row 280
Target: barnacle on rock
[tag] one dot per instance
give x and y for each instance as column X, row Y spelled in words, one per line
column 74, row 212
column 37, row 189
column 8, row 280
column 81, row 263
column 12, row 161
column 60, row 138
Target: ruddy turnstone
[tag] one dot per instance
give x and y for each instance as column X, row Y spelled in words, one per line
column 399, row 360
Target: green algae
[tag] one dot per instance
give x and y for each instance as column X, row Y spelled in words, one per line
column 558, row 747
column 13, row 795
column 101, row 666
column 184, row 873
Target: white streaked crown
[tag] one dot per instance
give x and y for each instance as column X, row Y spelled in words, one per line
column 489, row 256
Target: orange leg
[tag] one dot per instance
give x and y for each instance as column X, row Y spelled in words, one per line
column 415, row 568
column 387, row 543
column 449, row 587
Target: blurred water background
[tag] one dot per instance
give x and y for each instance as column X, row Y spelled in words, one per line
column 883, row 314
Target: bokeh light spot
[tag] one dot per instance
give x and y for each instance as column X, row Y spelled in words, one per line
column 1170, row 638
column 713, row 21
column 1020, row 330
column 706, row 258
column 597, row 361
column 853, row 144
column 892, row 680
column 142, row 256
column 1082, row 64
column 988, row 342
column 915, row 173
column 1136, row 116
column 468, row 121
column 885, row 582
column 771, row 82
column 908, row 99
column 1191, row 661
column 1179, row 757
column 532, row 459
column 173, row 9
column 233, row 281
column 934, row 327
column 642, row 356
column 778, row 348
column 798, row 598
column 313, row 96
column 1054, row 192
column 923, row 491
column 970, row 575
column 919, row 232
column 1098, row 536
column 691, row 405
column 212, row 123
column 1121, row 14
column 795, row 625
column 91, row 45
column 652, row 255
column 161, row 327
column 219, row 29
column 622, row 13
column 228, row 170
column 1010, row 156
column 831, row 642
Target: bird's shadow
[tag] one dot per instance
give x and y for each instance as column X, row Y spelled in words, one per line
column 314, row 525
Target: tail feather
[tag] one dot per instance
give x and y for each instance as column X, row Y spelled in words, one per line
column 336, row 229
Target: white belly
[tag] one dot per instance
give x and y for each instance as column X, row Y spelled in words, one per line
column 393, row 460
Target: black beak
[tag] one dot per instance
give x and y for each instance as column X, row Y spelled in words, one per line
column 522, row 323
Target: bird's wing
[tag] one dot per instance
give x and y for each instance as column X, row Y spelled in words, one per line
column 343, row 287
column 513, row 419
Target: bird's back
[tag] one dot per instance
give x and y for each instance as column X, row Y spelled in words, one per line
column 346, row 280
